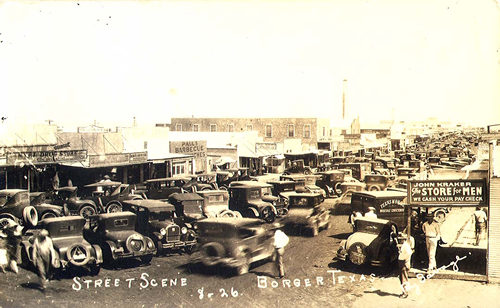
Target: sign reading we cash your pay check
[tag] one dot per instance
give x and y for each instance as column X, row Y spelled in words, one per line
column 449, row 192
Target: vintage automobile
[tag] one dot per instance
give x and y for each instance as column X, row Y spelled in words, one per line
column 199, row 182
column 157, row 220
column 41, row 202
column 108, row 196
column 359, row 170
column 187, row 205
column 279, row 203
column 234, row 243
column 282, row 189
column 67, row 235
column 216, row 204
column 298, row 166
column 330, row 182
column 306, row 211
column 305, row 183
column 372, row 243
column 377, row 181
column 162, row 188
column 388, row 205
column 115, row 234
column 225, row 177
column 15, row 206
column 247, row 199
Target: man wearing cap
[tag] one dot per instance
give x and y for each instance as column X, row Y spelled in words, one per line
column 432, row 235
column 371, row 212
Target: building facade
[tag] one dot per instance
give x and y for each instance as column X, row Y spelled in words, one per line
column 306, row 131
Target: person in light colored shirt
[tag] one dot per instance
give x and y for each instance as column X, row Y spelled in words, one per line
column 480, row 220
column 280, row 241
column 371, row 212
column 432, row 235
column 404, row 263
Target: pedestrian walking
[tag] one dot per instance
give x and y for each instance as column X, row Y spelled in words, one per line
column 404, row 263
column 13, row 231
column 280, row 241
column 480, row 220
column 432, row 235
column 44, row 256
column 352, row 218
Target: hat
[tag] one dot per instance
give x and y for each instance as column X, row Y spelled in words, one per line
column 107, row 177
column 44, row 232
column 371, row 208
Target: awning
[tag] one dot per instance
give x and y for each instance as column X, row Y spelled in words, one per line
column 224, row 160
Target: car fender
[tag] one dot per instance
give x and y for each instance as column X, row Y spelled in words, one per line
column 98, row 254
column 112, row 248
column 255, row 211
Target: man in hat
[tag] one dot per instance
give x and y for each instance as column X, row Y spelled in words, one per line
column 44, row 256
column 371, row 212
column 432, row 235
column 405, row 250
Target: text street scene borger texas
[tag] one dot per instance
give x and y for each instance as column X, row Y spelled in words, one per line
column 249, row 153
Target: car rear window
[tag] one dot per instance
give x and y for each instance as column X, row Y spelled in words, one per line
column 121, row 222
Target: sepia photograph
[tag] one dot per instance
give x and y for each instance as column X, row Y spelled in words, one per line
column 249, row 153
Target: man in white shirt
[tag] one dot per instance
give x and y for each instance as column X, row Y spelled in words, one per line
column 480, row 220
column 280, row 241
column 404, row 263
column 371, row 212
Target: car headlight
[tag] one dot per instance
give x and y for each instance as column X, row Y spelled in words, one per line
column 150, row 244
column 184, row 230
column 163, row 231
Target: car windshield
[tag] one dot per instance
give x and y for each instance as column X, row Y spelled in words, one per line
column 254, row 194
column 217, row 198
column 3, row 200
column 266, row 191
column 369, row 227
column 300, row 202
column 160, row 215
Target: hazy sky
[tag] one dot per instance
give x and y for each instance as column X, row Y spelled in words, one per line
column 75, row 62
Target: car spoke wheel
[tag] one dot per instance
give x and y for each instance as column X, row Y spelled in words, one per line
column 48, row 215
column 86, row 211
column 113, row 208
column 268, row 214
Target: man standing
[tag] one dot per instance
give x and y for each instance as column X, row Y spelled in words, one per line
column 280, row 241
column 480, row 220
column 432, row 235
column 371, row 212
column 44, row 256
column 404, row 263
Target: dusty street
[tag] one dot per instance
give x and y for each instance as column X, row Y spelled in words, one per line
column 312, row 279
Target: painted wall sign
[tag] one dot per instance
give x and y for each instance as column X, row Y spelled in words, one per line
column 449, row 192
column 44, row 157
column 117, row 158
column 196, row 148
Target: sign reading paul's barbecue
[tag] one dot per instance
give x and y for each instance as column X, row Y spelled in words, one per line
column 449, row 192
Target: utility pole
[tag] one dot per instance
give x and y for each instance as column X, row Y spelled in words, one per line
column 344, row 89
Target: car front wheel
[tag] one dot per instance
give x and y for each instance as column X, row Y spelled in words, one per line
column 268, row 214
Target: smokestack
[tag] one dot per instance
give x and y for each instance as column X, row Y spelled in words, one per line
column 344, row 88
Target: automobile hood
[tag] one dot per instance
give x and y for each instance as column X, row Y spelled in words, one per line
column 119, row 236
column 299, row 215
column 269, row 198
column 362, row 237
column 157, row 225
column 259, row 204
column 46, row 206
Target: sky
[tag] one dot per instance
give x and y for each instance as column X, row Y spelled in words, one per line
column 76, row 62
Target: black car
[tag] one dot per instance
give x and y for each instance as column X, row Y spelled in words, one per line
column 247, row 199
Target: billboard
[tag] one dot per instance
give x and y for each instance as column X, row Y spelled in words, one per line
column 447, row 192
column 196, row 148
column 46, row 157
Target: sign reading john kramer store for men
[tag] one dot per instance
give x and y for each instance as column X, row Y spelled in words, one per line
column 449, row 192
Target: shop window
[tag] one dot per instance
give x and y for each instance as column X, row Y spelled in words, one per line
column 307, row 131
column 178, row 127
column 213, row 128
column 291, row 130
column 196, row 127
column 230, row 128
column 269, row 130
column 249, row 127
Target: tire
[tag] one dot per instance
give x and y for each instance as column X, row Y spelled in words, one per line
column 357, row 253
column 146, row 259
column 227, row 213
column 30, row 216
column 211, row 252
column 114, row 207
column 48, row 214
column 250, row 213
column 78, row 249
column 86, row 211
column 314, row 230
column 223, row 188
column 374, row 188
column 5, row 221
column 268, row 214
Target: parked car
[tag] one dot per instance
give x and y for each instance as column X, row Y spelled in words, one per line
column 387, row 204
column 305, row 183
column 359, row 170
column 108, row 196
column 278, row 202
column 298, row 166
column 68, row 199
column 201, row 181
column 377, row 181
column 115, row 234
column 234, row 243
column 344, row 201
column 162, row 188
column 372, row 243
column 187, row 205
column 156, row 219
column 225, row 177
column 15, row 206
column 306, row 210
column 247, row 199
column 282, row 189
column 330, row 182
column 216, row 204
column 41, row 202
column 67, row 236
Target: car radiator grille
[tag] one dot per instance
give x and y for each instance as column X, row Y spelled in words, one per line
column 173, row 233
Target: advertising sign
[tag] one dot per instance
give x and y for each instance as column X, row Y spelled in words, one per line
column 117, row 159
column 196, row 148
column 45, row 157
column 447, row 192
